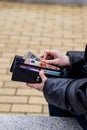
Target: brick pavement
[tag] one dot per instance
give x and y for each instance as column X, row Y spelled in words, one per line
column 33, row 27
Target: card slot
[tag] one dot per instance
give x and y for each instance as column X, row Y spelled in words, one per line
column 47, row 72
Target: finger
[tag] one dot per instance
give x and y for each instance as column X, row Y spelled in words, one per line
column 49, row 54
column 45, row 54
column 41, row 56
column 36, row 85
column 54, row 61
column 31, row 84
column 43, row 77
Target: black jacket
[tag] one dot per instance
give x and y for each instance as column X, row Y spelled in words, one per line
column 70, row 93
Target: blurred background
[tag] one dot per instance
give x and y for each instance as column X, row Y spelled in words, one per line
column 35, row 25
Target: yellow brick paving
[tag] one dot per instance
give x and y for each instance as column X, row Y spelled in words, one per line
column 35, row 27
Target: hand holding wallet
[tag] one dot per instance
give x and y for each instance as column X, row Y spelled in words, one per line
column 29, row 73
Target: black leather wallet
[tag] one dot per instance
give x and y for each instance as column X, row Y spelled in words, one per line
column 30, row 73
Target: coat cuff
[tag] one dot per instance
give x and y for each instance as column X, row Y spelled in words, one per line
column 76, row 61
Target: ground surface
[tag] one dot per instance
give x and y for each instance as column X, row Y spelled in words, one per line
column 35, row 27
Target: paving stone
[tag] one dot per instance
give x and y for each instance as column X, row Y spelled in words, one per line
column 26, row 108
column 28, row 92
column 13, row 99
column 7, row 91
column 37, row 100
column 5, row 107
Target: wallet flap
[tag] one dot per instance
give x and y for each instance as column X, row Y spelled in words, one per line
column 24, row 75
column 16, row 60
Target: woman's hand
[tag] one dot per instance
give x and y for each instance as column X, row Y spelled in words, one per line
column 55, row 57
column 39, row 86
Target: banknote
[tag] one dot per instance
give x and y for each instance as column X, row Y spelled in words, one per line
column 30, row 55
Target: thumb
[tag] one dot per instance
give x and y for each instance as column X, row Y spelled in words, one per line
column 43, row 77
column 54, row 61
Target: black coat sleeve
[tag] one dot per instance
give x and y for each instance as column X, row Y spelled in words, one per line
column 68, row 94
column 78, row 64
